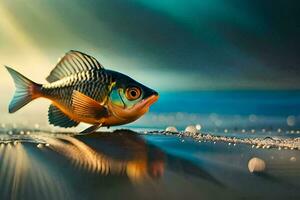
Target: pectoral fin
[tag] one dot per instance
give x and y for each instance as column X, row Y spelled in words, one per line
column 87, row 107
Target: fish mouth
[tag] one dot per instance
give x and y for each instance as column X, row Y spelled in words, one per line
column 146, row 103
column 133, row 113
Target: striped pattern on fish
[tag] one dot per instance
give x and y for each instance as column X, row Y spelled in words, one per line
column 94, row 83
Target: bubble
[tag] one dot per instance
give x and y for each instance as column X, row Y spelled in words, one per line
column 291, row 120
column 279, row 130
column 40, row 146
column 225, row 130
column 256, row 165
column 172, row 129
column 191, row 129
column 198, row 127
column 293, row 159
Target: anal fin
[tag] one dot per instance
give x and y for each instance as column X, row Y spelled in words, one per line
column 57, row 118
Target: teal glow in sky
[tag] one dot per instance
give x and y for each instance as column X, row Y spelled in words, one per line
column 168, row 45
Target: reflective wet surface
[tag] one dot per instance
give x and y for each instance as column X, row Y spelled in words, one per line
column 133, row 165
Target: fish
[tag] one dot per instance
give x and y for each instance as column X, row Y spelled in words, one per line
column 82, row 90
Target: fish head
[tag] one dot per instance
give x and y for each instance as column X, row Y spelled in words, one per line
column 129, row 99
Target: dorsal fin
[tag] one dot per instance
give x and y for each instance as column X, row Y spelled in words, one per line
column 73, row 62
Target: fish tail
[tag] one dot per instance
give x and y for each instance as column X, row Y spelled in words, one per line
column 26, row 90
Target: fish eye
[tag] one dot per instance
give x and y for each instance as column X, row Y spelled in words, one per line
column 133, row 93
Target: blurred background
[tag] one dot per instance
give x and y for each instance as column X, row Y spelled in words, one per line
column 221, row 63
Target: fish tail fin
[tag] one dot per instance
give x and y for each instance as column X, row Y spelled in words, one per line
column 26, row 90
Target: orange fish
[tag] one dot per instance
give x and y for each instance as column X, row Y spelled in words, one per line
column 81, row 90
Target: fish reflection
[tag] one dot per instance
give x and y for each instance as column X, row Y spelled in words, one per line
column 123, row 153
column 119, row 153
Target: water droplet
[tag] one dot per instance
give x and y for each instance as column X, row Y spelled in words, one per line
column 256, row 165
column 191, row 129
column 172, row 129
column 291, row 120
column 293, row 159
column 279, row 130
column 198, row 127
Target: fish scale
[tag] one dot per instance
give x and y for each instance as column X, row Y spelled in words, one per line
column 93, row 83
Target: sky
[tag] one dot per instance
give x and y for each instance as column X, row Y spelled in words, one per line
column 170, row 45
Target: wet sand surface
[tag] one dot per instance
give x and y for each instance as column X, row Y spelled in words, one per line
column 131, row 165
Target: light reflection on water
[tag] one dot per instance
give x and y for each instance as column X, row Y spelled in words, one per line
column 125, row 164
column 25, row 175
